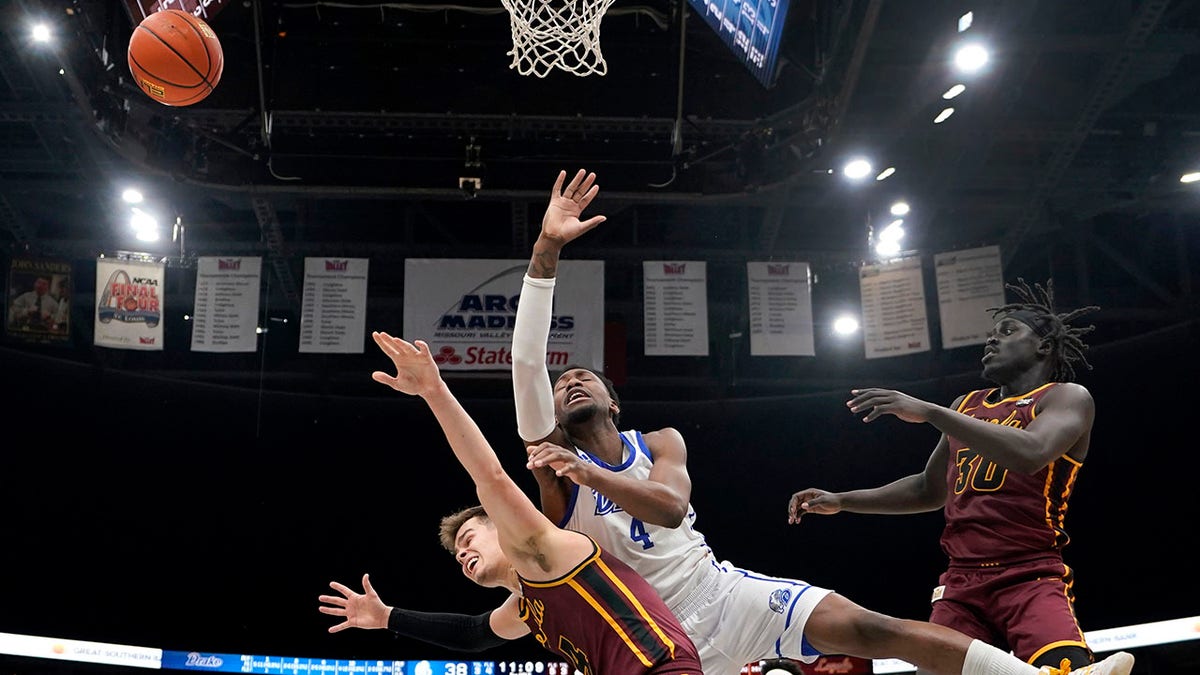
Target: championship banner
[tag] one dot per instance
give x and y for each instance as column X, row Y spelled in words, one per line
column 38, row 306
column 781, row 320
column 675, row 307
column 129, row 306
column 893, row 308
column 333, row 313
column 465, row 310
column 225, row 315
column 969, row 283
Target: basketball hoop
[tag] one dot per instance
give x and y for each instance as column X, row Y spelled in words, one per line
column 563, row 34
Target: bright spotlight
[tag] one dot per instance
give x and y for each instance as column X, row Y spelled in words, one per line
column 141, row 221
column 943, row 116
column 40, row 33
column 954, row 91
column 885, row 173
column 965, row 21
column 970, row 58
column 887, row 249
column 845, row 325
column 899, row 209
column 131, row 196
column 856, row 168
column 893, row 232
column 147, row 235
column 1190, row 177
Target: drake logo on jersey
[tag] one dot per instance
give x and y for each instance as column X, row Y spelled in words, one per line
column 779, row 599
column 604, row 505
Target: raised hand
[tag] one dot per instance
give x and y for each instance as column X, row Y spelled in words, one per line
column 561, row 222
column 888, row 402
column 361, row 610
column 812, row 500
column 416, row 373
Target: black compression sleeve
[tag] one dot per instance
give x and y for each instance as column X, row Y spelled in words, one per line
column 462, row 632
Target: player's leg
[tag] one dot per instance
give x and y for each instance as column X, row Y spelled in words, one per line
column 1036, row 604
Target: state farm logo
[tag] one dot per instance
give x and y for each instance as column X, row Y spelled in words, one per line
column 447, row 355
column 778, row 270
column 674, row 268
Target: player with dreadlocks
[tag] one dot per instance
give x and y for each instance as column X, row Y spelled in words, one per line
column 1003, row 470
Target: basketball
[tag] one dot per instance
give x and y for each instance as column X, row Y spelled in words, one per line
column 175, row 58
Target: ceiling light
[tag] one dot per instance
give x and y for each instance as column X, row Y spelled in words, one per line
column 845, row 325
column 954, row 91
column 885, row 173
column 899, row 209
column 970, row 58
column 1190, row 177
column 893, row 232
column 856, row 168
column 40, row 33
column 943, row 116
column 965, row 21
column 887, row 249
column 131, row 196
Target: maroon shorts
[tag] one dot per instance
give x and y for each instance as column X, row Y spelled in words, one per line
column 1027, row 607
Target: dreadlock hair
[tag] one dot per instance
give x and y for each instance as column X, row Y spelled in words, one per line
column 1036, row 309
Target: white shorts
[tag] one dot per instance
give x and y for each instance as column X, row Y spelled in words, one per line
column 748, row 617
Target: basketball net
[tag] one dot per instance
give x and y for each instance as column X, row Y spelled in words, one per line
column 550, row 34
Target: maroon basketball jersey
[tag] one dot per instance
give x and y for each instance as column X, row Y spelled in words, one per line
column 996, row 515
column 606, row 620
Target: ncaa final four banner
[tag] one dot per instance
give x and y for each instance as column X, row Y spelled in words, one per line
column 465, row 311
column 129, row 307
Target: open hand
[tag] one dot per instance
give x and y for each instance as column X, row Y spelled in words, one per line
column 361, row 610
column 561, row 222
column 416, row 373
column 888, row 402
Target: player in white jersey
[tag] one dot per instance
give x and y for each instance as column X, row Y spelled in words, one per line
column 632, row 492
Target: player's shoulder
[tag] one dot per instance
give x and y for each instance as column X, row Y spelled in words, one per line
column 1069, row 391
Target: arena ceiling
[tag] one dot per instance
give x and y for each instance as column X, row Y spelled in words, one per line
column 345, row 128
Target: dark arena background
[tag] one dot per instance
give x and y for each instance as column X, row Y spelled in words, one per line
column 200, row 502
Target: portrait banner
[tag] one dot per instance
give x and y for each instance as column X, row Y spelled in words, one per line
column 38, row 300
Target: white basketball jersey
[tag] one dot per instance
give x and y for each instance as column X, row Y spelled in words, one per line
column 673, row 560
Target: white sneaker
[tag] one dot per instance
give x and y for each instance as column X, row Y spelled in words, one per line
column 1120, row 663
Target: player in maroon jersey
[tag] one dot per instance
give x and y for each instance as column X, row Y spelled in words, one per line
column 578, row 601
column 1003, row 470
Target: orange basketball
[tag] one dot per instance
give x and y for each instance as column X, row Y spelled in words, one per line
column 175, row 57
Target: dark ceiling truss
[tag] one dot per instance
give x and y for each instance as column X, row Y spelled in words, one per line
column 1104, row 89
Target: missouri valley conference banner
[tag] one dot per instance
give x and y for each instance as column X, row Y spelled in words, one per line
column 129, row 308
column 465, row 309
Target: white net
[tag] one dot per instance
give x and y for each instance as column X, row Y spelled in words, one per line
column 563, row 34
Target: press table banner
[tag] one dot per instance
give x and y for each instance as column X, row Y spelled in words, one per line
column 675, row 307
column 893, row 308
column 333, row 314
column 465, row 310
column 225, row 317
column 129, row 307
column 781, row 320
column 968, row 284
